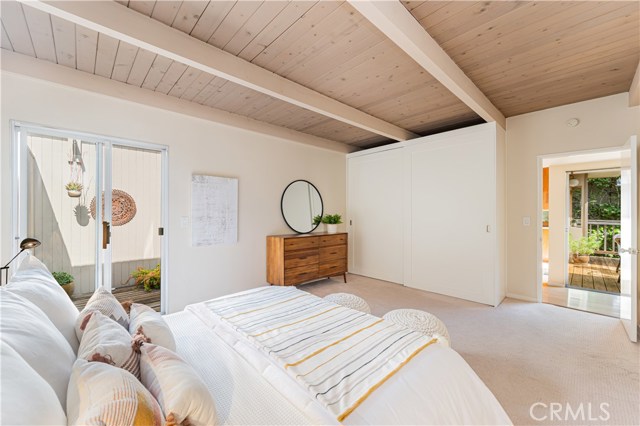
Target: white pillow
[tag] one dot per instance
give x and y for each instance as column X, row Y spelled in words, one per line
column 34, row 282
column 106, row 341
column 102, row 394
column 153, row 326
column 176, row 386
column 107, row 304
column 27, row 399
column 25, row 328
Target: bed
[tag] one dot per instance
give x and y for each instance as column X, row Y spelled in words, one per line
column 435, row 387
column 270, row 355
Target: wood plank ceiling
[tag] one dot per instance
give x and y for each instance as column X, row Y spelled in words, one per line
column 524, row 56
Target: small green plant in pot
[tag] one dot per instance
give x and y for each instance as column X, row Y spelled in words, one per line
column 332, row 221
column 149, row 278
column 584, row 247
column 66, row 281
column 317, row 220
column 74, row 189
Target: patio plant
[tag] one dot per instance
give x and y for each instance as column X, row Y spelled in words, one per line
column 66, row 281
column 74, row 189
column 583, row 247
column 148, row 278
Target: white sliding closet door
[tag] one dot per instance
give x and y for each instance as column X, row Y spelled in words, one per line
column 375, row 207
column 452, row 214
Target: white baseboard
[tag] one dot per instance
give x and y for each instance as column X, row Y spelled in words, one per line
column 521, row 297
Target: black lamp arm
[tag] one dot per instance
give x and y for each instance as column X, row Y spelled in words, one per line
column 9, row 262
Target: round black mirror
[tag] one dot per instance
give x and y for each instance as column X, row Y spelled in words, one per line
column 301, row 203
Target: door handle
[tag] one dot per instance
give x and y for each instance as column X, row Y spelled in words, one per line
column 629, row 250
column 106, row 234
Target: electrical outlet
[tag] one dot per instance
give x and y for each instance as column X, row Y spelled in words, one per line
column 526, row 221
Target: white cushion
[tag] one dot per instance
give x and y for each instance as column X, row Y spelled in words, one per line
column 34, row 282
column 27, row 399
column 25, row 328
column 176, row 386
column 107, row 304
column 153, row 326
column 102, row 394
column 105, row 340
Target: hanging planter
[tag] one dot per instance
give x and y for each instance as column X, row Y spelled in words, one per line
column 74, row 189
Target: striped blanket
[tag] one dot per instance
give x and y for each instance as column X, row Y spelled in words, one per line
column 339, row 355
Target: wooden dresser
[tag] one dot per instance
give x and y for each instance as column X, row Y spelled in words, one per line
column 297, row 258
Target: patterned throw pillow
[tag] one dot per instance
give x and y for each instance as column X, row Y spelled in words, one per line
column 106, row 341
column 108, row 305
column 176, row 386
column 147, row 321
column 100, row 394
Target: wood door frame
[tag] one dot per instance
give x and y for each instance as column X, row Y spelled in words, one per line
column 539, row 166
column 19, row 187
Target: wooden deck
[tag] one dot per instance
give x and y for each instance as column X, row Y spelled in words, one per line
column 599, row 274
column 137, row 294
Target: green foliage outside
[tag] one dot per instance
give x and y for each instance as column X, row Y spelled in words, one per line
column 585, row 246
column 63, row 277
column 332, row 219
column 149, row 278
column 604, row 198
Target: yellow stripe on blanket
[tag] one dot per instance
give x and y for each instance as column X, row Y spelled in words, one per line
column 360, row 400
column 311, row 355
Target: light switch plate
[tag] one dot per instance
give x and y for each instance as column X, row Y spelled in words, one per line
column 526, row 221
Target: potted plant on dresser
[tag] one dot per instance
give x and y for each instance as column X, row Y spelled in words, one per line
column 65, row 280
column 331, row 222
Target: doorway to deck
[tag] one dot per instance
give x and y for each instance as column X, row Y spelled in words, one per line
column 581, row 219
column 120, row 248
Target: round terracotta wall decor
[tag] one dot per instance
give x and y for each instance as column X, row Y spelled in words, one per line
column 123, row 207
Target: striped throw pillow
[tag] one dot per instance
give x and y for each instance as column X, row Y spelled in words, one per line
column 100, row 394
column 106, row 341
column 108, row 305
column 176, row 386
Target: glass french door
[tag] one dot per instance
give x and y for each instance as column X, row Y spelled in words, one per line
column 64, row 181
column 628, row 248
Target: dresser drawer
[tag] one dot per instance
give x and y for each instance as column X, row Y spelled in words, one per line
column 332, row 267
column 333, row 240
column 333, row 253
column 300, row 274
column 300, row 243
column 296, row 258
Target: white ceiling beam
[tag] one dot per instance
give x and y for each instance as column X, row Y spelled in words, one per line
column 397, row 23
column 634, row 90
column 125, row 24
column 49, row 71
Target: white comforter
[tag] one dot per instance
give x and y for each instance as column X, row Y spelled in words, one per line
column 436, row 387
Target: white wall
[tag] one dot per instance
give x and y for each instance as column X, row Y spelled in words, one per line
column 558, row 214
column 264, row 166
column 604, row 122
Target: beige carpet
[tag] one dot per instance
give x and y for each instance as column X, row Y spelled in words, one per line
column 527, row 353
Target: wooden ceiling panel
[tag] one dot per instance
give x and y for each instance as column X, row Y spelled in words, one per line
column 41, row 32
column 106, row 55
column 527, row 56
column 15, row 25
column 86, row 49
